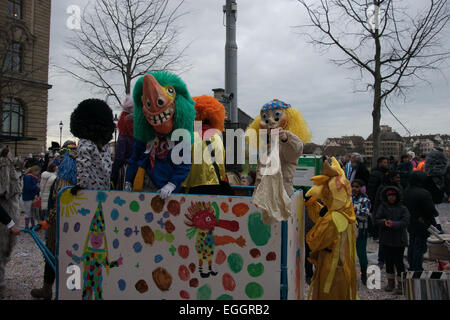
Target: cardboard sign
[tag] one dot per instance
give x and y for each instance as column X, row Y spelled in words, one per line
column 131, row 245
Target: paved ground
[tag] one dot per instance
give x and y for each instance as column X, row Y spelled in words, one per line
column 25, row 269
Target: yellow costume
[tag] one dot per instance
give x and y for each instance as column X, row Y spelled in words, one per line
column 204, row 173
column 333, row 238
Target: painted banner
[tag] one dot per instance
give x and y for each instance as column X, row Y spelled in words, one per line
column 131, row 245
column 296, row 250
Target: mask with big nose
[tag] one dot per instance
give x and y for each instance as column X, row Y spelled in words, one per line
column 158, row 105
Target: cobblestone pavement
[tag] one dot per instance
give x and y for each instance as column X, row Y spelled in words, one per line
column 26, row 267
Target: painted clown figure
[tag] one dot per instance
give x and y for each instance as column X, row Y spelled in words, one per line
column 333, row 238
column 95, row 258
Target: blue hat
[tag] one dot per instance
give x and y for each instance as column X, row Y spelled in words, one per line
column 274, row 105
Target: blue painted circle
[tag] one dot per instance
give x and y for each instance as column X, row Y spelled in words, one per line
column 166, row 214
column 128, row 232
column 158, row 258
column 137, row 247
column 148, row 217
column 122, row 284
column 75, row 247
column 114, row 214
column 101, row 197
column 76, row 227
column 116, row 243
column 141, row 197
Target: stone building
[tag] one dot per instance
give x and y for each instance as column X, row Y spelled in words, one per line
column 422, row 144
column 24, row 53
column 312, row 148
column 391, row 144
column 349, row 143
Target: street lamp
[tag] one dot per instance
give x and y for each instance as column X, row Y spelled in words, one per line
column 60, row 133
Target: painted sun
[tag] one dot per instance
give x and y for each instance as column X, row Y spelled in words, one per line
column 69, row 202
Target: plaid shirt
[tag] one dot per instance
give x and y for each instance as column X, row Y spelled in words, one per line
column 361, row 205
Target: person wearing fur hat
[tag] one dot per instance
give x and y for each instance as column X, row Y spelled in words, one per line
column 92, row 122
column 124, row 145
column 66, row 176
column 392, row 219
column 208, row 177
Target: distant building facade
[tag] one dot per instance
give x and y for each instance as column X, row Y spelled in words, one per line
column 422, row 144
column 312, row 148
column 343, row 145
column 391, row 144
column 24, row 53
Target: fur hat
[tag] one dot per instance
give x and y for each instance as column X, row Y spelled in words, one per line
column 210, row 109
column 436, row 164
column 93, row 120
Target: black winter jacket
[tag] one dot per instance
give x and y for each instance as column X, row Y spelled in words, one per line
column 375, row 179
column 404, row 169
column 362, row 173
column 420, row 204
column 394, row 236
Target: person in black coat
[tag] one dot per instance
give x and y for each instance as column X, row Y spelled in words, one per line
column 359, row 169
column 392, row 219
column 376, row 178
column 420, row 204
column 404, row 169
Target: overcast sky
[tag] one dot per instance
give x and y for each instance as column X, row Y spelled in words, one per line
column 273, row 62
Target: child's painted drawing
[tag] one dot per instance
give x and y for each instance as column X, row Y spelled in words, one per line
column 95, row 257
column 203, row 220
column 184, row 247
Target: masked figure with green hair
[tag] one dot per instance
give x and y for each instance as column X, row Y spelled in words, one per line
column 162, row 104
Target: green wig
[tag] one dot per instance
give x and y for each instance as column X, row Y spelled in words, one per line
column 184, row 107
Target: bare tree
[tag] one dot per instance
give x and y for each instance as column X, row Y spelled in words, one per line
column 390, row 48
column 125, row 39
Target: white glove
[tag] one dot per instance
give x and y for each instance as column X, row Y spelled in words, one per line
column 167, row 190
column 128, row 186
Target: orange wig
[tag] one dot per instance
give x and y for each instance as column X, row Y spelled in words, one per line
column 210, row 109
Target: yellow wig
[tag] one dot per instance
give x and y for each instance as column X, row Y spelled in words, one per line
column 295, row 124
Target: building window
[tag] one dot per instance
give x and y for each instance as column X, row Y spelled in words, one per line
column 13, row 57
column 15, row 8
column 12, row 112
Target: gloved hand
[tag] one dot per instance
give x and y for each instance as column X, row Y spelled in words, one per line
column 323, row 211
column 167, row 190
column 75, row 190
column 128, row 186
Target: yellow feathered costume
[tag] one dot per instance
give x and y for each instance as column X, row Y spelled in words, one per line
column 333, row 238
